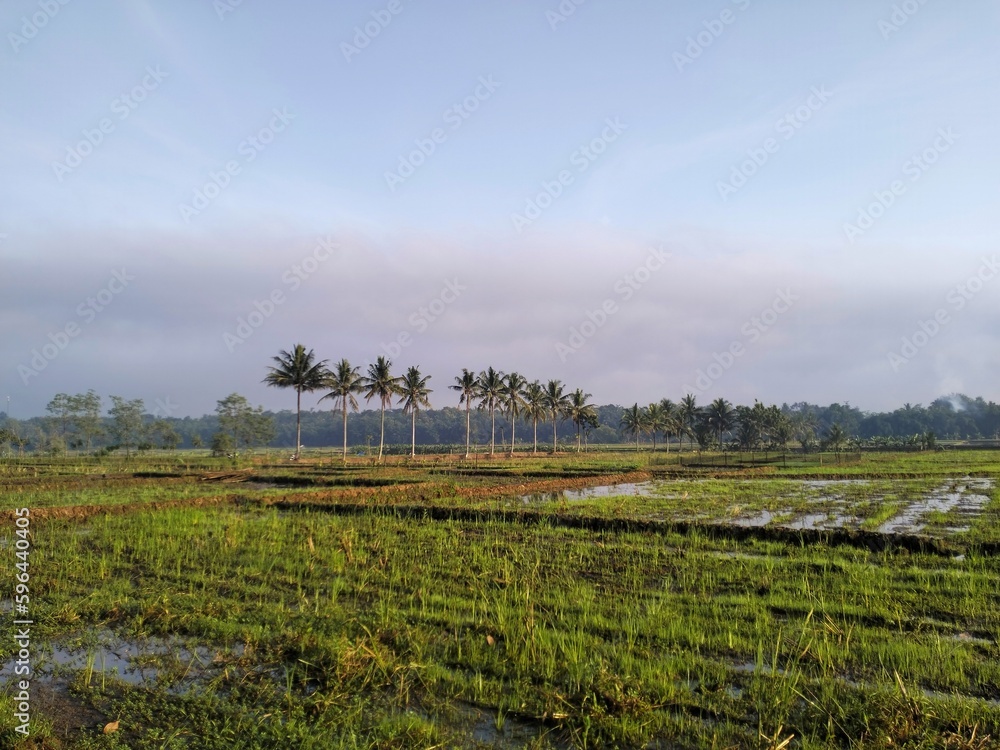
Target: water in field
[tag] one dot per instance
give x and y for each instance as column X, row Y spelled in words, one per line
column 831, row 499
column 634, row 489
column 142, row 661
column 960, row 496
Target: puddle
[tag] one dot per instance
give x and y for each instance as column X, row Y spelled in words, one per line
column 133, row 661
column 965, row 637
column 751, row 667
column 726, row 555
column 959, row 498
column 820, row 521
column 491, row 728
column 627, row 489
column 510, row 731
column 761, row 519
column 942, row 696
column 822, row 484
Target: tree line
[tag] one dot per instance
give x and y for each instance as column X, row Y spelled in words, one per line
column 486, row 403
column 507, row 394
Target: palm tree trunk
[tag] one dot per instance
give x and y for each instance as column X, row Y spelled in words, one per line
column 413, row 435
column 467, row 428
column 535, row 424
column 512, row 418
column 298, row 421
column 381, row 436
column 493, row 427
column 345, row 430
column 553, row 432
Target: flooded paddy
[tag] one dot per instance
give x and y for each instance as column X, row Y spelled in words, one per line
column 476, row 613
column 950, row 508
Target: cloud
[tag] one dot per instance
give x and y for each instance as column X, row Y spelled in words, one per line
column 478, row 301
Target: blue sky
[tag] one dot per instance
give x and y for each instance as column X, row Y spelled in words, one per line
column 837, row 156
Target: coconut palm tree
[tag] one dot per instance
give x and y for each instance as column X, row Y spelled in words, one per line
column 297, row 369
column 343, row 382
column 555, row 405
column 580, row 412
column 534, row 406
column 835, row 437
column 465, row 384
column 671, row 421
column 805, row 424
column 783, row 432
column 513, row 400
column 687, row 415
column 413, row 393
column 722, row 417
column 380, row 382
column 633, row 422
column 653, row 421
column 489, row 387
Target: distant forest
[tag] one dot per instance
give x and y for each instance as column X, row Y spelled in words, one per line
column 955, row 417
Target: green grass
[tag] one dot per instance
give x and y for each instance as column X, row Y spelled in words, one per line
column 374, row 629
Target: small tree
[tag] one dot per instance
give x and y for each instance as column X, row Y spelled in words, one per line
column 127, row 422
column 260, row 427
column 222, row 444
column 233, row 412
column 87, row 408
column 163, row 434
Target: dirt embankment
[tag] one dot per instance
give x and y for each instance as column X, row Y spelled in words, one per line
column 83, row 512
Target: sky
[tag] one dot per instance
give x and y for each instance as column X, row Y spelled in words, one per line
column 745, row 199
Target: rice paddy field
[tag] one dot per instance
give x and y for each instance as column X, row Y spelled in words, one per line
column 594, row 601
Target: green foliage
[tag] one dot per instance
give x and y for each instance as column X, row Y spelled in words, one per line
column 127, row 422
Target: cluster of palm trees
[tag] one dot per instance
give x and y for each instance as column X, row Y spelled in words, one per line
column 514, row 396
column 509, row 394
column 747, row 427
column 299, row 369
